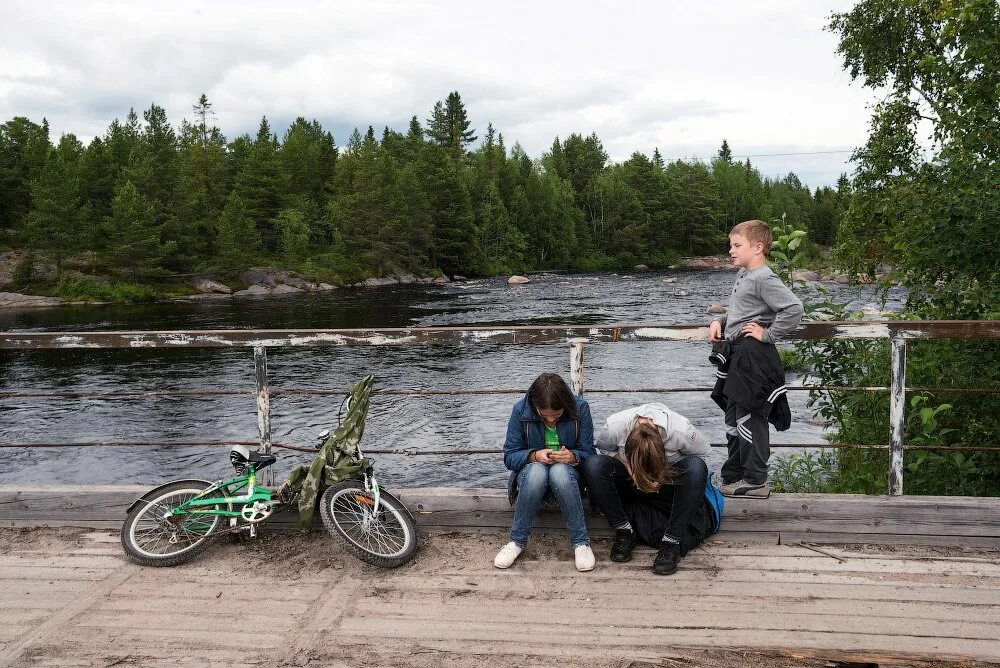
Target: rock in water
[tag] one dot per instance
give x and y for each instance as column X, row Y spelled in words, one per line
column 518, row 280
column 716, row 308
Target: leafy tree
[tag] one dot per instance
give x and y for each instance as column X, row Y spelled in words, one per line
column 924, row 202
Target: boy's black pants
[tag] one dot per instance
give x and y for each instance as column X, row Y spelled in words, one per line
column 749, row 446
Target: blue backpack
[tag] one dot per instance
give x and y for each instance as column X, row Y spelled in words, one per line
column 716, row 501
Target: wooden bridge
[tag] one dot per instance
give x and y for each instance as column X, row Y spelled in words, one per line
column 794, row 580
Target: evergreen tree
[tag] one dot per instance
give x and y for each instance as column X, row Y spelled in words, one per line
column 24, row 148
column 237, row 240
column 135, row 240
column 56, row 224
column 449, row 125
column 202, row 180
column 293, row 234
column 262, row 184
column 725, row 154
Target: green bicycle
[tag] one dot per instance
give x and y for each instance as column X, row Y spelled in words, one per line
column 174, row 522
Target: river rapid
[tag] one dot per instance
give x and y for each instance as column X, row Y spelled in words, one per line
column 416, row 423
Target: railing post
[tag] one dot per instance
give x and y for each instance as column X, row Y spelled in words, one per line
column 897, row 415
column 576, row 365
column 263, row 409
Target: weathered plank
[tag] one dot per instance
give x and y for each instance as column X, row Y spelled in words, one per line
column 948, row 329
column 843, row 518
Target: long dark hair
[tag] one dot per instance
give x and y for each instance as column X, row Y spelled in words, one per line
column 550, row 392
column 645, row 455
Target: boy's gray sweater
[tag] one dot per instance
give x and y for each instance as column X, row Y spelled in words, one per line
column 760, row 296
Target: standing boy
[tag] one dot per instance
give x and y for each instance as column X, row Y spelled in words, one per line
column 751, row 387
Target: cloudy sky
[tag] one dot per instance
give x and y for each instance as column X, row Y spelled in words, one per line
column 678, row 76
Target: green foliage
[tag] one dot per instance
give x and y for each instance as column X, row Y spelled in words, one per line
column 426, row 201
column 24, row 270
column 928, row 210
column 79, row 289
column 135, row 241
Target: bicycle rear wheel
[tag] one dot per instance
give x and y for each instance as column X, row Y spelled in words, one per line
column 383, row 536
column 154, row 536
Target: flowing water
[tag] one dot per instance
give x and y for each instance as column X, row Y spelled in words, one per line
column 416, row 423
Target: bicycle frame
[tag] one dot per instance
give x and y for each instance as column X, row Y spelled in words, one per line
column 197, row 505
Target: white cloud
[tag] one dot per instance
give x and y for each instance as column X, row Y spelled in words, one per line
column 762, row 74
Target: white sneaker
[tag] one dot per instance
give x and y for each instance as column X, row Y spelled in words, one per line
column 507, row 554
column 584, row 558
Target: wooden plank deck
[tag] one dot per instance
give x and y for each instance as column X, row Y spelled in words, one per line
column 69, row 598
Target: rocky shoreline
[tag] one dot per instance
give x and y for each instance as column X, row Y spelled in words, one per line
column 267, row 282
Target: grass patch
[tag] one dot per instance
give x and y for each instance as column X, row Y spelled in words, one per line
column 122, row 293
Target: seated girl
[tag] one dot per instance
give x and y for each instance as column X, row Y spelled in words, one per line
column 653, row 485
column 549, row 433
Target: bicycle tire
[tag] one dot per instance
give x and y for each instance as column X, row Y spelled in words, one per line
column 149, row 541
column 389, row 542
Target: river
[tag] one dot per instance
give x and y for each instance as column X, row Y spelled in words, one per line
column 418, row 423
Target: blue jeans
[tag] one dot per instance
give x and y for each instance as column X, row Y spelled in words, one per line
column 534, row 481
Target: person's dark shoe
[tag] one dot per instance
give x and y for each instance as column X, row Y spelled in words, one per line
column 621, row 549
column 667, row 558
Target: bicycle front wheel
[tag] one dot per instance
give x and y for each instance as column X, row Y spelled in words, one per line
column 383, row 536
column 154, row 536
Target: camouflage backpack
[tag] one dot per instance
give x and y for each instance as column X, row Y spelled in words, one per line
column 337, row 459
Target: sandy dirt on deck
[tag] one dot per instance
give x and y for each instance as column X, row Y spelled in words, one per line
column 292, row 557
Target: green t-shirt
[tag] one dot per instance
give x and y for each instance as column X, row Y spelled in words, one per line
column 551, row 438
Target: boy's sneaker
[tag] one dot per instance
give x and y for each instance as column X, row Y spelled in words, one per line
column 667, row 558
column 507, row 555
column 621, row 549
column 742, row 488
column 584, row 558
column 729, row 488
column 757, row 491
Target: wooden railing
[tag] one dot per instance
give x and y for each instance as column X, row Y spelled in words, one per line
column 898, row 332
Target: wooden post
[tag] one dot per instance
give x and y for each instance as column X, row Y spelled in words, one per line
column 897, row 415
column 576, row 365
column 263, row 409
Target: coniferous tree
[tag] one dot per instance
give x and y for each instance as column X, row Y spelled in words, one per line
column 56, row 224
column 262, row 184
column 26, row 146
column 725, row 154
column 449, row 125
column 237, row 238
column 135, row 240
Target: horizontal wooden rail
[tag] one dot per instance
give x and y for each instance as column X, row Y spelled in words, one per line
column 279, row 338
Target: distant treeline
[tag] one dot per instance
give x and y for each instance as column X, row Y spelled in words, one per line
column 148, row 200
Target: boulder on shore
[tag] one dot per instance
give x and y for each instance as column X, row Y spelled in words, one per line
column 255, row 290
column 456, row 277
column 17, row 300
column 285, row 289
column 378, row 282
column 518, row 280
column 259, row 276
column 805, row 275
column 716, row 308
column 207, row 285
column 640, row 267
